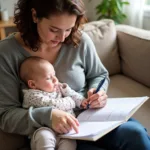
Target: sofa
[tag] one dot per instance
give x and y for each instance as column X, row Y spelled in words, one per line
column 125, row 52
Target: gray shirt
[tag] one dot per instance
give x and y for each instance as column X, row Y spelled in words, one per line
column 79, row 67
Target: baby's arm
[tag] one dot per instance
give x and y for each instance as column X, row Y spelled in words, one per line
column 67, row 91
column 37, row 99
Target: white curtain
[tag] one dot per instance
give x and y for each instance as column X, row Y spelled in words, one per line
column 135, row 12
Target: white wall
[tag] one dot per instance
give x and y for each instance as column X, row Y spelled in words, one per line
column 90, row 9
column 9, row 5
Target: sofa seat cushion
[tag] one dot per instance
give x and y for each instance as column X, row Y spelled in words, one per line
column 122, row 86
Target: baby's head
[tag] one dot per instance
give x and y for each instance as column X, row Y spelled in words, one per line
column 39, row 74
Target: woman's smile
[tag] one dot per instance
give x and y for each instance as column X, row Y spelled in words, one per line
column 54, row 43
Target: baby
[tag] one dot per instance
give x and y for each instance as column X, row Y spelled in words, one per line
column 45, row 90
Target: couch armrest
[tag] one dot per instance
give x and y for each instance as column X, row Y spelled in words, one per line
column 134, row 50
column 137, row 32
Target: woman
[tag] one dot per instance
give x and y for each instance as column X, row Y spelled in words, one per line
column 50, row 29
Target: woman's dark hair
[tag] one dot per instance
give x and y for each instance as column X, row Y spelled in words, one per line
column 44, row 9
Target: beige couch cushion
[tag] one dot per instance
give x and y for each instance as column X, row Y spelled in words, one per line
column 103, row 34
column 122, row 86
column 134, row 47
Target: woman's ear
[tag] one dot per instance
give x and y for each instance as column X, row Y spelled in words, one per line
column 34, row 16
column 31, row 84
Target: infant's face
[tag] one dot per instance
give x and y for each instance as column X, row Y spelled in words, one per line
column 47, row 80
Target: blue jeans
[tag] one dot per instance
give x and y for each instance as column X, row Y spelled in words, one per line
column 129, row 136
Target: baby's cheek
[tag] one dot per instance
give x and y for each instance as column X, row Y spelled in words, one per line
column 48, row 85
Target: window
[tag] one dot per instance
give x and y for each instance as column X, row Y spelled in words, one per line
column 147, row 5
column 147, row 9
column 148, row 2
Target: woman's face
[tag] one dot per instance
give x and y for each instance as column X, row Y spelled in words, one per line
column 54, row 30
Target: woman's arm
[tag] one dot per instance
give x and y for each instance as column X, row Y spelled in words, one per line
column 14, row 118
column 95, row 72
column 94, row 69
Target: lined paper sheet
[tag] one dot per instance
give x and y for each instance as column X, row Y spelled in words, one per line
column 116, row 109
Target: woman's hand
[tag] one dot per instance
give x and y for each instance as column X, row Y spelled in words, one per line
column 98, row 99
column 63, row 122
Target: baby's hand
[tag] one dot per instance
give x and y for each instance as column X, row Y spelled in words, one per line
column 84, row 103
column 62, row 85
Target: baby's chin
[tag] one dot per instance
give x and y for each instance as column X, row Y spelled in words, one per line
column 49, row 90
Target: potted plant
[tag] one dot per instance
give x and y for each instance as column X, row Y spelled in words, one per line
column 111, row 9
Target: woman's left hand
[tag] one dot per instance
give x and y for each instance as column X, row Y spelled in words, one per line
column 97, row 100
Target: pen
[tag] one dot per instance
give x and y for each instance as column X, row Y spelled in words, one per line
column 97, row 89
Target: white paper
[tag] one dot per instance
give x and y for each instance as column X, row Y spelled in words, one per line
column 95, row 123
column 92, row 128
column 116, row 109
